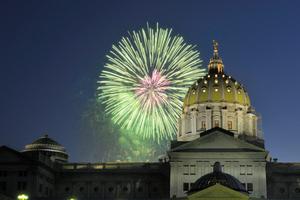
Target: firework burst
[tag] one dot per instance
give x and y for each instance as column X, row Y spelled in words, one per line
column 145, row 79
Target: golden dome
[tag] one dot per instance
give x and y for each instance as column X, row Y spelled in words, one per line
column 216, row 86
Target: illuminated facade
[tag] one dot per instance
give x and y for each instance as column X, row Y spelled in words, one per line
column 217, row 125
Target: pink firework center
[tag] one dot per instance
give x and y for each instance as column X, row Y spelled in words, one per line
column 151, row 90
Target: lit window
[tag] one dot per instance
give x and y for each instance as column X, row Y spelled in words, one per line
column 216, row 75
column 203, row 90
column 216, row 81
column 228, row 89
column 229, row 76
column 227, row 81
column 223, row 75
column 208, row 76
column 239, row 91
column 216, row 123
column 229, row 124
column 205, row 81
column 203, row 125
column 216, row 89
column 236, row 83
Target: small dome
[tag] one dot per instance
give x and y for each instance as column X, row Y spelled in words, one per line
column 46, row 140
column 216, row 86
column 217, row 176
column 49, row 147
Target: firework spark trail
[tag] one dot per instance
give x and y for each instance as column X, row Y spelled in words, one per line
column 151, row 90
column 145, row 79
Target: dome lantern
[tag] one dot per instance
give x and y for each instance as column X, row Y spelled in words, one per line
column 215, row 64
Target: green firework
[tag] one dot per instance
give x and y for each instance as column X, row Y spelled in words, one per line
column 144, row 80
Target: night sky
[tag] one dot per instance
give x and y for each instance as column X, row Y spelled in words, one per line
column 53, row 51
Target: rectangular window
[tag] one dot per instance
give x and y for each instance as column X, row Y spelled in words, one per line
column 3, row 173
column 19, row 185
column 192, row 169
column 229, row 124
column 41, row 188
column 216, row 123
column 22, row 173
column 185, row 186
column 203, row 125
column 254, row 126
column 185, row 170
column 249, row 170
column 22, row 185
column 243, row 170
column 250, row 187
column 3, row 186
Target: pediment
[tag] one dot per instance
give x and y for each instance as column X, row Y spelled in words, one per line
column 216, row 140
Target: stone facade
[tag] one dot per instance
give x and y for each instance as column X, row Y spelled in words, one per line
column 193, row 159
column 19, row 174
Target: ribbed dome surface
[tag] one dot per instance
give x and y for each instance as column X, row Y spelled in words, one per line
column 217, row 176
column 45, row 143
column 216, row 87
column 45, row 140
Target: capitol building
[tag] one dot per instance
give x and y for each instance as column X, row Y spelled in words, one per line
column 219, row 153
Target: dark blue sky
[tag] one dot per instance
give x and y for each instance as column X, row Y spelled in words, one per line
column 52, row 52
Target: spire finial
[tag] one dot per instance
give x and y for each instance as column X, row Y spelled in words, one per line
column 215, row 64
column 215, row 45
